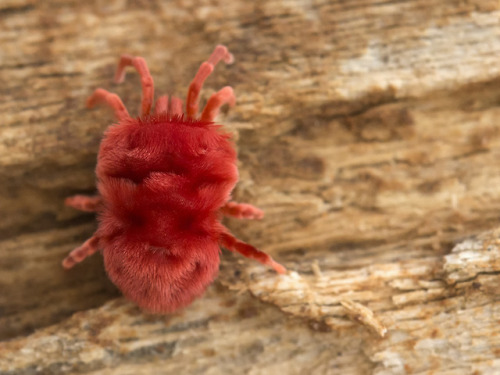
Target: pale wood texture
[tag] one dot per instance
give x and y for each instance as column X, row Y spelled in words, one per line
column 366, row 130
column 447, row 325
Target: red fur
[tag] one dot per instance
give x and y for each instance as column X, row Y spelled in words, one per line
column 164, row 182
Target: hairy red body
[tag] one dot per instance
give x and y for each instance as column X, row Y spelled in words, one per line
column 164, row 182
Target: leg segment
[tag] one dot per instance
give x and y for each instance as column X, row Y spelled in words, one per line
column 84, row 203
column 242, row 211
column 233, row 244
column 146, row 80
column 220, row 53
column 216, row 101
column 112, row 100
column 175, row 107
column 88, row 248
column 161, row 105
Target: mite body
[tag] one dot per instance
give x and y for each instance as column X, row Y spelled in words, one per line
column 164, row 181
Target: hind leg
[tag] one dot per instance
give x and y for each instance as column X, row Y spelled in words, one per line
column 233, row 244
column 84, row 202
column 242, row 211
column 88, row 248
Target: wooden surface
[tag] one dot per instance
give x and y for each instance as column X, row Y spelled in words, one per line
column 366, row 130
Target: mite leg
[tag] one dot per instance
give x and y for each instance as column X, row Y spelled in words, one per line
column 233, row 244
column 161, row 105
column 146, row 80
column 88, row 248
column 242, row 211
column 84, row 203
column 175, row 107
column 112, row 100
column 204, row 71
column 216, row 101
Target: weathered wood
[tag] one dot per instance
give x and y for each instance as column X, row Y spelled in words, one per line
column 445, row 325
column 36, row 291
column 220, row 334
column 367, row 131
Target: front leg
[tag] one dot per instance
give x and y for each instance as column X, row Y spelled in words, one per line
column 242, row 211
column 84, row 202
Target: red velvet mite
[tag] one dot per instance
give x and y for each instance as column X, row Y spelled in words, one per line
column 164, row 181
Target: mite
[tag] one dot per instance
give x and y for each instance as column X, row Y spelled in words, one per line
column 164, row 183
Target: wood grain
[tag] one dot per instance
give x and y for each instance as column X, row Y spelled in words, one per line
column 366, row 130
column 444, row 325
